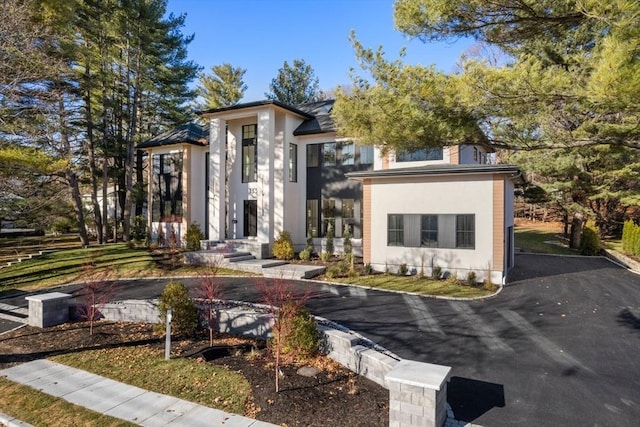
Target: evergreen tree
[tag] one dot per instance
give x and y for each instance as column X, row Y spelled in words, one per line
column 295, row 84
column 223, row 87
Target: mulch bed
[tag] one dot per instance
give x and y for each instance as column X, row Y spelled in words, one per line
column 334, row 396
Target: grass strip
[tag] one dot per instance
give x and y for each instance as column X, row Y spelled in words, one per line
column 418, row 285
column 536, row 241
column 40, row 409
column 145, row 367
column 74, row 265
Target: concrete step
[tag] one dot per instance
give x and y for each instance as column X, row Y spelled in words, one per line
column 238, row 258
column 231, row 255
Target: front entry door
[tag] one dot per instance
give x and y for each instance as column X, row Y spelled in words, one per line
column 250, row 218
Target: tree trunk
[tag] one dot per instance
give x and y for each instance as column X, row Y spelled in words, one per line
column 140, row 199
column 576, row 231
column 91, row 154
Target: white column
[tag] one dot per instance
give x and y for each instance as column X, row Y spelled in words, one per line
column 266, row 136
column 217, row 167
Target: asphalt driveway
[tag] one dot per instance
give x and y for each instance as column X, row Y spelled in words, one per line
column 558, row 346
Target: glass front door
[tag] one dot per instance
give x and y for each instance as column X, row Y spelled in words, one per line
column 250, row 218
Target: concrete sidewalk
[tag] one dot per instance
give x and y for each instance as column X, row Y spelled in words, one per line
column 120, row 400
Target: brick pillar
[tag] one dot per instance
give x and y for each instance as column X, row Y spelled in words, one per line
column 417, row 394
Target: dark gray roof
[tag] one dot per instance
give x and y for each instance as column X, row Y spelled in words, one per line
column 321, row 121
column 440, row 169
column 258, row 104
column 190, row 133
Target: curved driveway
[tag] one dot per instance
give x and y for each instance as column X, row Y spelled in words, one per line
column 558, row 346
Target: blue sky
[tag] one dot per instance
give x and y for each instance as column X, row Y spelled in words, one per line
column 259, row 35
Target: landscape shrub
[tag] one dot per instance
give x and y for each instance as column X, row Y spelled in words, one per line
column 631, row 238
column 472, row 278
column 436, row 272
column 329, row 248
column 184, row 313
column 367, row 269
column 305, row 254
column 348, row 246
column 301, row 338
column 283, row 246
column 309, row 246
column 193, row 237
column 325, row 256
column 590, row 242
column 403, row 269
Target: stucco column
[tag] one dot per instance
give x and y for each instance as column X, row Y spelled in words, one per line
column 266, row 138
column 217, row 171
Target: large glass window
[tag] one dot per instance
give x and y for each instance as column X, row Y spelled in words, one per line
column 465, row 231
column 312, row 217
column 348, row 153
column 313, row 155
column 166, row 203
column 293, row 163
column 328, row 215
column 366, row 154
column 348, row 213
column 395, row 230
column 329, row 154
column 249, row 154
column 429, row 231
column 421, row 154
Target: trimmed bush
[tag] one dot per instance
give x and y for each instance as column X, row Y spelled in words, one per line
column 193, row 237
column 185, row 315
column 436, row 272
column 330, row 249
column 139, row 228
column 631, row 238
column 348, row 246
column 301, row 338
column 305, row 254
column 403, row 269
column 283, row 246
column 590, row 242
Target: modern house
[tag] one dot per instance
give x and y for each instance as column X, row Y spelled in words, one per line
column 258, row 168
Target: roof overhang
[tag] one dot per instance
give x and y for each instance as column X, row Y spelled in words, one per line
column 512, row 172
column 218, row 112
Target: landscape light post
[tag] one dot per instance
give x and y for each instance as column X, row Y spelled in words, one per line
column 167, row 341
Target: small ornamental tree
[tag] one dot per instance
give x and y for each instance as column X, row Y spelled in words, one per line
column 329, row 248
column 94, row 294
column 185, row 316
column 209, row 290
column 293, row 337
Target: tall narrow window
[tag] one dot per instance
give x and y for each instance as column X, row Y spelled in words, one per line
column 249, row 154
column 312, row 217
column 167, row 188
column 313, row 155
column 465, row 231
column 366, row 154
column 329, row 154
column 348, row 153
column 395, row 230
column 429, row 231
column 293, row 163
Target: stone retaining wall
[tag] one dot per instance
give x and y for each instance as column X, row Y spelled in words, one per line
column 417, row 390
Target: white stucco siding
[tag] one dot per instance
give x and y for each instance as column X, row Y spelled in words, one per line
column 294, row 192
column 429, row 195
column 197, row 186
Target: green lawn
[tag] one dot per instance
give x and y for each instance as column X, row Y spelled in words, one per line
column 538, row 241
column 117, row 260
column 40, row 409
column 145, row 367
column 415, row 284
